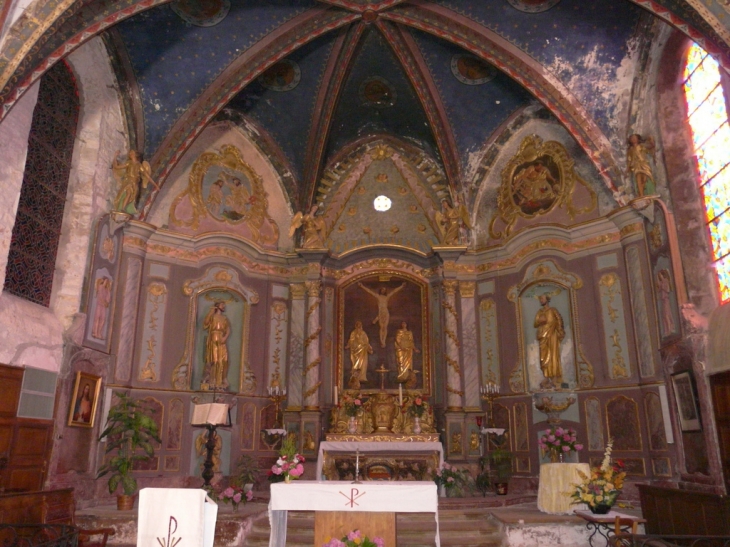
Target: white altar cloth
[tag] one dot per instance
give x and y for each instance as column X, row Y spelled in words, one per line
column 372, row 496
column 363, row 446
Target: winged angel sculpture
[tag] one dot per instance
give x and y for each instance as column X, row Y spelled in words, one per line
column 130, row 174
column 313, row 229
column 450, row 221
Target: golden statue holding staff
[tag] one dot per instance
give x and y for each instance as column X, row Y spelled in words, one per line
column 313, row 228
column 637, row 158
column 383, row 318
column 550, row 333
column 130, row 174
column 216, row 350
column 359, row 346
column 450, row 220
column 404, row 348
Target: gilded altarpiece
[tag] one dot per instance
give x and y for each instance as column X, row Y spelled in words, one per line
column 385, row 303
column 489, row 341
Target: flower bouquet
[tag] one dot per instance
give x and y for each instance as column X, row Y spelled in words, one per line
column 289, row 464
column 453, row 480
column 235, row 495
column 417, row 409
column 558, row 441
column 600, row 490
column 352, row 405
column 355, row 539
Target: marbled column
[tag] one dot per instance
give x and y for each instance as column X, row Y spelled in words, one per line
column 296, row 347
column 130, row 301
column 453, row 368
column 311, row 347
column 469, row 345
column 641, row 316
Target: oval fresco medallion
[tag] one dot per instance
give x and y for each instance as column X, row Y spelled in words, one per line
column 201, row 13
column 282, row 76
column 471, row 70
column 533, row 6
column 378, row 92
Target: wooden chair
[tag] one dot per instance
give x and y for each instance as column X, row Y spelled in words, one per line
column 623, row 538
column 621, row 522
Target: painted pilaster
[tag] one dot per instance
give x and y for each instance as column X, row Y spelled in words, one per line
column 453, row 368
column 128, row 323
column 311, row 346
column 296, row 347
column 469, row 348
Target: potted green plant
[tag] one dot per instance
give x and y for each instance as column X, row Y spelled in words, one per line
column 129, row 434
column 246, row 473
column 500, row 468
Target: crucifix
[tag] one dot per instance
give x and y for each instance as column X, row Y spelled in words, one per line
column 382, row 371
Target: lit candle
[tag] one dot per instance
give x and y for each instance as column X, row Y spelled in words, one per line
column 400, row 394
column 357, row 463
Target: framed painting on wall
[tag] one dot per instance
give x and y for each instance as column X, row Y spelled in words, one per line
column 684, row 393
column 82, row 409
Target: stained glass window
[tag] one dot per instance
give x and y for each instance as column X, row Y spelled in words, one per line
column 708, row 121
column 37, row 229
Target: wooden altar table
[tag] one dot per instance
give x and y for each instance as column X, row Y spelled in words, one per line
column 339, row 500
column 557, row 482
column 392, row 448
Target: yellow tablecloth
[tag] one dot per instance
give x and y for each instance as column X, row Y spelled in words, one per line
column 556, row 484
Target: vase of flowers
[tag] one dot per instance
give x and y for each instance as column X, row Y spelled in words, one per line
column 352, row 406
column 355, row 539
column 289, row 463
column 600, row 490
column 416, row 410
column 453, row 480
column 235, row 495
column 558, row 442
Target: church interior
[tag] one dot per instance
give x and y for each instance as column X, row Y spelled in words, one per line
column 460, row 222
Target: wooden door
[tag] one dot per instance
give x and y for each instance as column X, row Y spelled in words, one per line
column 720, row 386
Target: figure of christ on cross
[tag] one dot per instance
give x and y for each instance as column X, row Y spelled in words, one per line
column 383, row 317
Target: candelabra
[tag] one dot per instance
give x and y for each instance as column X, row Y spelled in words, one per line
column 277, row 394
column 490, row 391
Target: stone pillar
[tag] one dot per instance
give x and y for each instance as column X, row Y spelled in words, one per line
column 469, row 346
column 311, row 347
column 451, row 356
column 296, row 347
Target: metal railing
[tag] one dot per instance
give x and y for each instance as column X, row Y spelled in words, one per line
column 38, row 535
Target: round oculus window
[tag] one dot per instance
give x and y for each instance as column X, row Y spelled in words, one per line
column 382, row 203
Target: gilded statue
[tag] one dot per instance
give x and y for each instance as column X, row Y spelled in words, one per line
column 474, row 441
column 313, row 228
column 550, row 333
column 359, row 346
column 455, row 443
column 637, row 158
column 404, row 348
column 383, row 317
column 130, row 174
column 451, row 220
column 202, row 451
column 216, row 349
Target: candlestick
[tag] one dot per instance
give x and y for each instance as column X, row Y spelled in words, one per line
column 400, row 394
column 336, row 399
column 357, row 466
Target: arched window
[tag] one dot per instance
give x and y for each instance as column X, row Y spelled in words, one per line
column 37, row 228
column 707, row 116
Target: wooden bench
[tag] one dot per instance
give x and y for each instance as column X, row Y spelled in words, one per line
column 671, row 511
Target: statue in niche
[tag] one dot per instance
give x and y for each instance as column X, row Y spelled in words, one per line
column 359, row 346
column 637, row 158
column 313, row 228
column 216, row 349
column 451, row 221
column 383, row 317
column 404, row 348
column 130, row 174
column 550, row 332
column 103, row 299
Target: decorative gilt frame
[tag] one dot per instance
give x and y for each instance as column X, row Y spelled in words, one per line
column 531, row 150
column 341, row 338
column 94, row 383
column 688, row 412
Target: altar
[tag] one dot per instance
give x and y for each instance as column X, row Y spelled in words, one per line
column 341, row 500
column 394, row 459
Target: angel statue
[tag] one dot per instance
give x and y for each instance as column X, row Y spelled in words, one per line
column 640, row 151
column 130, row 174
column 450, row 221
column 313, row 229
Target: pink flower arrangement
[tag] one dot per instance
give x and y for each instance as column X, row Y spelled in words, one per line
column 235, row 495
column 289, row 465
column 417, row 408
column 559, row 439
column 352, row 405
column 355, row 539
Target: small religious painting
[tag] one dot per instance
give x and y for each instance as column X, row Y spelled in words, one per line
column 378, row 92
column 84, row 400
column 282, row 76
column 667, row 310
column 532, row 6
column 201, row 13
column 383, row 334
column 471, row 70
column 219, row 341
column 684, row 393
column 101, row 299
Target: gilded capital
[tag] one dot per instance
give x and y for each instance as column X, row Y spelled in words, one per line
column 450, row 287
column 313, row 288
column 297, row 291
column 467, row 289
